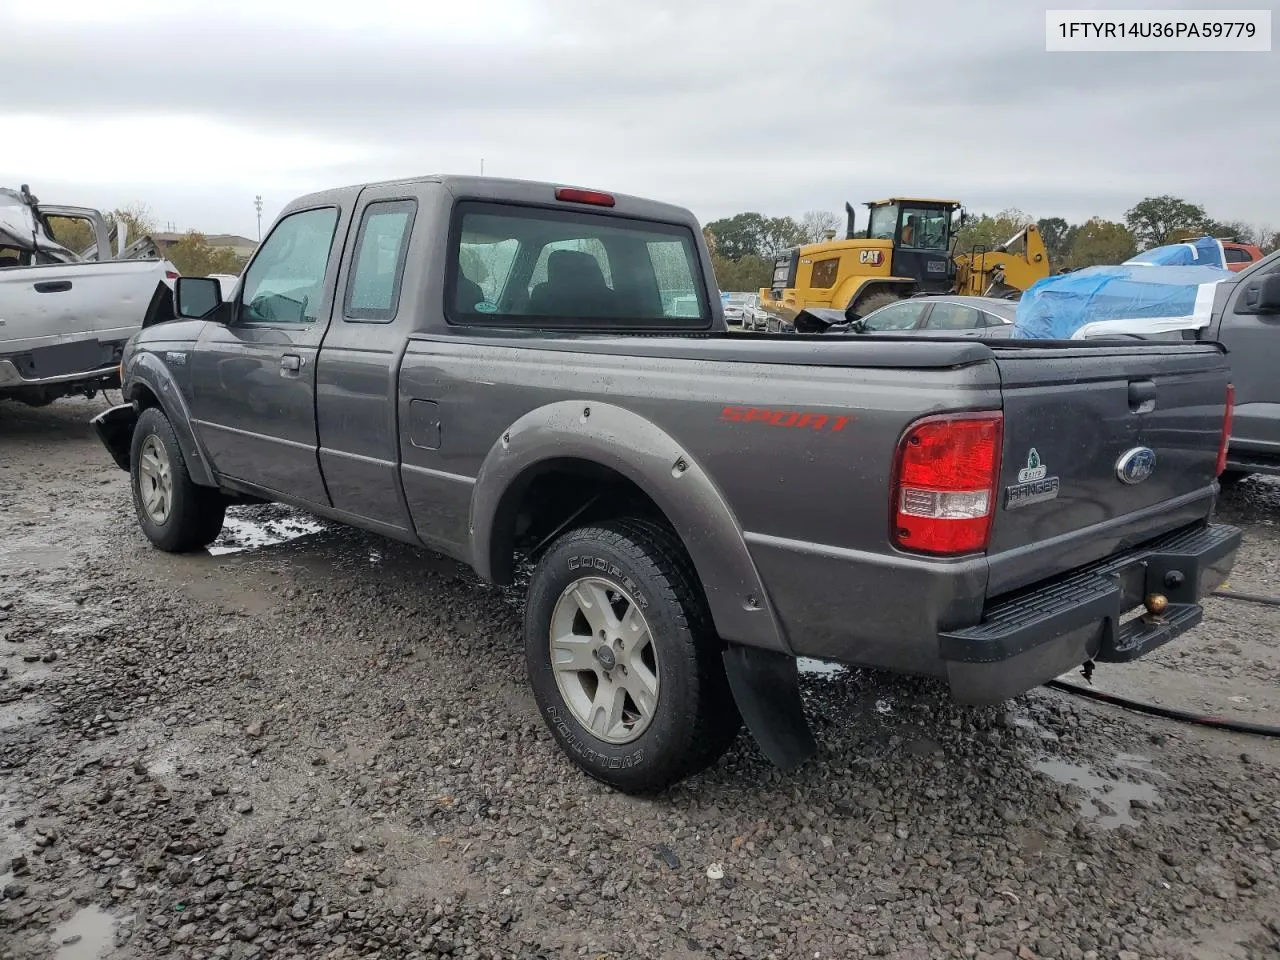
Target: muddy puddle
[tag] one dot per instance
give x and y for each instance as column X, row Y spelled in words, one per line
column 19, row 713
column 89, row 935
column 820, row 668
column 252, row 528
column 1107, row 802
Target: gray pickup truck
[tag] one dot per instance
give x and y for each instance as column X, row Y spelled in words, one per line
column 1246, row 321
column 531, row 377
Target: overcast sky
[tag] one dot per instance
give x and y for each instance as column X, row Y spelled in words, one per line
column 719, row 105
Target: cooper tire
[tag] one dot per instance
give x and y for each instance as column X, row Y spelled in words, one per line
column 692, row 719
column 176, row 514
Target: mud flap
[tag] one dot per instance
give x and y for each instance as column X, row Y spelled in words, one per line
column 115, row 429
column 766, row 688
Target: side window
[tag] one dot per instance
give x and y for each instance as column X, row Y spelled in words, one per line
column 285, row 282
column 1236, row 255
column 373, row 288
column 952, row 316
column 483, row 270
column 676, row 289
column 898, row 316
column 824, row 273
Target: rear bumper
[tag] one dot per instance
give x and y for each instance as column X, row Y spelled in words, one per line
column 1033, row 635
column 115, row 429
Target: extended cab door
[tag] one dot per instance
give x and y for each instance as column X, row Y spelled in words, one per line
column 1251, row 335
column 253, row 378
column 358, row 367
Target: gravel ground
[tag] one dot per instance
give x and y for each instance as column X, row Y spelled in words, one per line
column 314, row 743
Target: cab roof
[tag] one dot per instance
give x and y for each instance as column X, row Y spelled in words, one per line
column 508, row 189
column 932, row 200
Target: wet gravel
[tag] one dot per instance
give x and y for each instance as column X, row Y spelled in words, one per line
column 315, row 743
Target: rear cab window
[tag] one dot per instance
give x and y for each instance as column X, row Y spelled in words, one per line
column 514, row 265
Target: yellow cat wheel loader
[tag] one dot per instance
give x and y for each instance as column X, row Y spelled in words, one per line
column 907, row 249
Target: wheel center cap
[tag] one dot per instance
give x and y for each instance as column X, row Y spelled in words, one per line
column 606, row 657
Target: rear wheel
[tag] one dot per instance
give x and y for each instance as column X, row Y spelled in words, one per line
column 872, row 302
column 175, row 513
column 623, row 659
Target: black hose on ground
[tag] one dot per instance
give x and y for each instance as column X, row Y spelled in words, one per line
column 1169, row 713
column 1247, row 597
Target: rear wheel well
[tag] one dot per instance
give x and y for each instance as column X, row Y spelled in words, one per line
column 557, row 495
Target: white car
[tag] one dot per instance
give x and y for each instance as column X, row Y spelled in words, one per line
column 227, row 282
column 741, row 309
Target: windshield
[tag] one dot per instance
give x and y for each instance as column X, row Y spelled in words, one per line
column 884, row 221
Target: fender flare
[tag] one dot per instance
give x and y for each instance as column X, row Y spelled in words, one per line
column 637, row 449
column 146, row 370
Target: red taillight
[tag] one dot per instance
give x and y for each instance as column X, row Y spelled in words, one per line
column 944, row 489
column 171, row 275
column 575, row 195
column 1225, row 442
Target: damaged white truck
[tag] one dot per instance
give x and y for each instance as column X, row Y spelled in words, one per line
column 65, row 316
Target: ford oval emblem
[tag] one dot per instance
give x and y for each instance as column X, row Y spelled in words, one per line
column 1136, row 465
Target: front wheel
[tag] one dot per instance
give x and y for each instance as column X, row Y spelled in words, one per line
column 623, row 659
column 176, row 514
column 873, row 302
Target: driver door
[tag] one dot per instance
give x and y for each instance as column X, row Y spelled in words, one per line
column 253, row 378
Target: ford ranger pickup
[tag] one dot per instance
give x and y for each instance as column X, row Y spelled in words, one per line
column 537, row 378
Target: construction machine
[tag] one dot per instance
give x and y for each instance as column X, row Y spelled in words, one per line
column 907, row 249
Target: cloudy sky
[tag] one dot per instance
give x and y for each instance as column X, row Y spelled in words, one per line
column 719, row 105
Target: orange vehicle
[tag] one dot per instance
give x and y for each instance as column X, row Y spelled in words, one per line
column 1240, row 255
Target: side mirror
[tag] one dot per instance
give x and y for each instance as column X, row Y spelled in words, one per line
column 1269, row 294
column 195, row 298
column 857, row 325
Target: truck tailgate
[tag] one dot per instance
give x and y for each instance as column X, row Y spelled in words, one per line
column 1074, row 420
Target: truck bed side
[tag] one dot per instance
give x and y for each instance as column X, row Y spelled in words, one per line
column 801, row 455
column 796, row 452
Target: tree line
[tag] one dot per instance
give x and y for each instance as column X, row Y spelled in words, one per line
column 745, row 246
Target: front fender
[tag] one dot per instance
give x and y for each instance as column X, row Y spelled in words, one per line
column 148, row 374
column 646, row 455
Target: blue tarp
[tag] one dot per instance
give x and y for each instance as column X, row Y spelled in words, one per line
column 1205, row 252
column 1129, row 298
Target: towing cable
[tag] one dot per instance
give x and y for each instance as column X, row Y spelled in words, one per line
column 1172, row 713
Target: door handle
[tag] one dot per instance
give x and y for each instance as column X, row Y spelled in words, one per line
column 291, row 363
column 53, row 286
